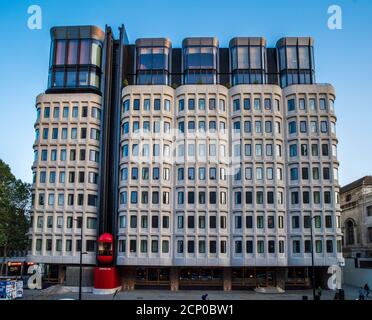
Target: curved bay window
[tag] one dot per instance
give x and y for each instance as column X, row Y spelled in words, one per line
column 152, row 61
column 75, row 63
column 200, row 60
column 296, row 61
column 248, row 60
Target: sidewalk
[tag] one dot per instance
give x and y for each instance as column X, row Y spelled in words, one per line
column 351, row 293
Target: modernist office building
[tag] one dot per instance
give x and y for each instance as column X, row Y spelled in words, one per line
column 209, row 165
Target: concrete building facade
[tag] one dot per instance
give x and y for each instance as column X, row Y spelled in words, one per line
column 209, row 165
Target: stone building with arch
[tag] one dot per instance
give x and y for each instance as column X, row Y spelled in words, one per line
column 356, row 218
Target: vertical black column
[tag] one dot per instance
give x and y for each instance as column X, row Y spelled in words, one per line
column 113, row 57
column 224, row 67
column 272, row 66
column 103, row 222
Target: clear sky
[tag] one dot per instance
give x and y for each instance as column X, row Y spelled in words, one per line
column 342, row 57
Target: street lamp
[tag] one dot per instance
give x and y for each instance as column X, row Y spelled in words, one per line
column 81, row 256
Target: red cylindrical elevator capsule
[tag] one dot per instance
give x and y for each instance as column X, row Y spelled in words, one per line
column 105, row 249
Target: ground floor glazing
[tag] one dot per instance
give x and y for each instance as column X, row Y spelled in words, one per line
column 182, row 278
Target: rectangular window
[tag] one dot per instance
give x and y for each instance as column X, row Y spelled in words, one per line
column 122, row 221
column 247, row 126
column 270, row 222
column 301, row 105
column 303, row 126
column 329, row 245
column 291, row 105
column 268, row 126
column 318, row 222
column 212, row 104
column 280, row 222
column 201, row 246
column 318, row 246
column 249, row 246
column 191, row 104
column 249, row 222
column 165, row 246
column 157, row 104
column 328, row 221
column 136, row 104
column 322, row 104
column 257, row 104
column 92, row 200
column 143, row 246
column 154, row 246
column 201, row 222
column 212, row 246
column 133, row 245
column 212, row 222
column 179, row 246
column 267, row 103
column 248, row 197
column 306, row 197
column 260, row 222
column 236, row 104
column 201, row 104
column 324, row 126
column 293, row 150
column 294, row 197
column 190, row 246
column 260, row 246
column 238, row 246
column 296, row 246
column 247, row 104
column 271, row 246
column 292, row 127
column 295, row 222
column 180, row 222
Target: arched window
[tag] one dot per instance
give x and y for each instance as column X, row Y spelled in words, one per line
column 350, row 240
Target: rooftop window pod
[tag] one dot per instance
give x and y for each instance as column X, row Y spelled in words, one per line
column 75, row 58
column 200, row 60
column 248, row 60
column 296, row 61
column 152, row 56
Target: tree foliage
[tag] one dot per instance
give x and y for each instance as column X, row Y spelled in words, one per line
column 15, row 198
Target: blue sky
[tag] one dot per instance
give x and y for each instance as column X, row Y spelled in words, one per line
column 342, row 57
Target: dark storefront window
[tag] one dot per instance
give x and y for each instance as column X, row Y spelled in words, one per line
column 195, row 275
column 152, row 275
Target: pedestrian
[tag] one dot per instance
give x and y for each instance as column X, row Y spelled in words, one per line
column 366, row 289
column 205, row 296
column 337, row 296
column 319, row 292
column 361, row 293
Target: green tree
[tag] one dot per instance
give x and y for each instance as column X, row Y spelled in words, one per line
column 15, row 198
